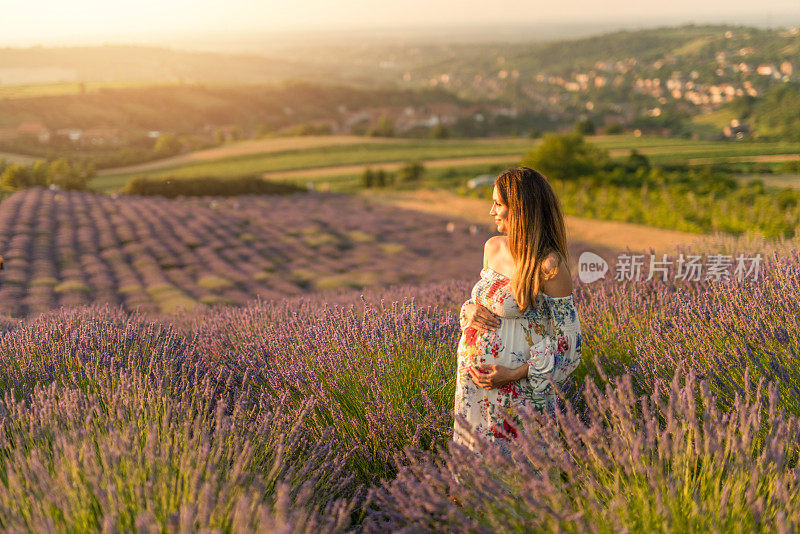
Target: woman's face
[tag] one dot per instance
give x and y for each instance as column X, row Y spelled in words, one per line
column 499, row 211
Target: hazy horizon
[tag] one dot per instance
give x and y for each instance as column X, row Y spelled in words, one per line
column 211, row 26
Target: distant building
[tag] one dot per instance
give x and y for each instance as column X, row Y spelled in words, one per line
column 736, row 129
column 481, row 180
column 103, row 136
column 765, row 70
column 73, row 134
column 34, row 129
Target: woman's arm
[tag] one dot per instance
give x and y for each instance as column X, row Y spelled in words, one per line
column 559, row 353
column 553, row 349
column 473, row 314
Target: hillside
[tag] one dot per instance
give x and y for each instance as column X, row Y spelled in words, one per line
column 191, row 108
column 20, row 66
column 652, row 80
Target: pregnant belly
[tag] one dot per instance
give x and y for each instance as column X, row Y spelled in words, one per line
column 499, row 347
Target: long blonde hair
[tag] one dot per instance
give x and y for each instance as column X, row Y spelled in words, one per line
column 535, row 229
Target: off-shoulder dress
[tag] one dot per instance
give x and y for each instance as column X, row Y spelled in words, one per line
column 547, row 337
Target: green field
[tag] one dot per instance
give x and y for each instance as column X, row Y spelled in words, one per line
column 451, row 178
column 658, row 150
column 65, row 88
column 322, row 157
column 780, row 181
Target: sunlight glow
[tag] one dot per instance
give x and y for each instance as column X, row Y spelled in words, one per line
column 83, row 21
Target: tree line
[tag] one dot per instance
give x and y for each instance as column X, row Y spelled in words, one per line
column 61, row 173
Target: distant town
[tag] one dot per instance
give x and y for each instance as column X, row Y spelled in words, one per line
column 699, row 82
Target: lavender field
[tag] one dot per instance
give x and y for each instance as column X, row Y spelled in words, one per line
column 159, row 256
column 304, row 415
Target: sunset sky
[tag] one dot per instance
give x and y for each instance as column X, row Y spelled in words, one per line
column 48, row 22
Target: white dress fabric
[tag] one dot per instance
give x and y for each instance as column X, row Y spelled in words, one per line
column 547, row 337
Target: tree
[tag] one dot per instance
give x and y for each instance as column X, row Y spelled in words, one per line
column 368, row 178
column 39, row 173
column 16, row 177
column 585, row 127
column 69, row 175
column 383, row 178
column 384, row 128
column 440, row 132
column 636, row 161
column 377, row 178
column 565, row 157
column 412, row 172
column 167, row 145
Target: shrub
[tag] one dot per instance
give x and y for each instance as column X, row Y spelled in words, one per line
column 376, row 178
column 412, row 172
column 566, row 157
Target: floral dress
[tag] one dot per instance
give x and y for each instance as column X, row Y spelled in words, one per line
column 547, row 338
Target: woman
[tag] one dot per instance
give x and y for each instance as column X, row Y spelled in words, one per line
column 520, row 326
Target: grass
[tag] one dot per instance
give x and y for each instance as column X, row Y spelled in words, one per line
column 318, row 239
column 320, row 157
column 354, row 280
column 327, row 158
column 780, row 181
column 358, row 236
column 71, row 285
column 214, row 283
column 44, row 281
column 392, row 248
column 170, row 299
column 692, row 47
column 718, row 119
column 64, row 88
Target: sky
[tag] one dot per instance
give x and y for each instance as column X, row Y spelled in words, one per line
column 60, row 22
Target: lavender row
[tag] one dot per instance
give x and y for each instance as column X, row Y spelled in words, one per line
column 670, row 462
column 111, row 422
column 350, row 392
column 154, row 255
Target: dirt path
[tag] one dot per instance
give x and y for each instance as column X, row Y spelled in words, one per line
column 341, row 170
column 768, row 158
column 18, row 158
column 245, row 148
column 651, row 150
column 586, row 234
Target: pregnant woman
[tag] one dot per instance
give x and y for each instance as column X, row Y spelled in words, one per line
column 520, row 328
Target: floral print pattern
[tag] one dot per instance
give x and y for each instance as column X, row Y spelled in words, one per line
column 547, row 337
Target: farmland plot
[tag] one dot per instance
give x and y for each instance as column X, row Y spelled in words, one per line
column 158, row 255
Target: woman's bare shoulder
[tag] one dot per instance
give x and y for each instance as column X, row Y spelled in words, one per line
column 494, row 245
column 496, row 241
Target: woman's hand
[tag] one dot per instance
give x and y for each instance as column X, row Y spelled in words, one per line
column 480, row 318
column 496, row 376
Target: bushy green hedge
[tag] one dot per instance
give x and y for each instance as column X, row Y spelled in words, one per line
column 207, row 186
